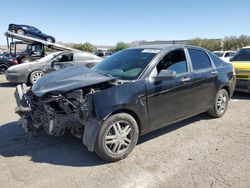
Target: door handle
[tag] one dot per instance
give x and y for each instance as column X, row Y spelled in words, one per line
column 214, row 72
column 185, row 79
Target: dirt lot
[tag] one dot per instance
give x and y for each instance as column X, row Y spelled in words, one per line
column 198, row 152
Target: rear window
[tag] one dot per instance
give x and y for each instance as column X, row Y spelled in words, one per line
column 200, row 59
column 242, row 55
column 217, row 61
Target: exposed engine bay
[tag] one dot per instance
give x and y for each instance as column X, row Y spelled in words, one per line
column 56, row 113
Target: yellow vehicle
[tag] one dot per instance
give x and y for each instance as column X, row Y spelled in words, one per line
column 241, row 63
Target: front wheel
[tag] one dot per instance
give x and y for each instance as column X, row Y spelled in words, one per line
column 20, row 32
column 36, row 75
column 220, row 105
column 49, row 39
column 117, row 137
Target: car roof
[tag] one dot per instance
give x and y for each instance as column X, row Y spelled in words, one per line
column 165, row 46
column 246, row 47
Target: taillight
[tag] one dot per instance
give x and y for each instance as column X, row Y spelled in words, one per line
column 14, row 62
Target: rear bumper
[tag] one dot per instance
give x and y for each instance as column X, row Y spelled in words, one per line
column 242, row 85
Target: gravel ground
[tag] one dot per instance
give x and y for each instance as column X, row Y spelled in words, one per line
column 198, row 152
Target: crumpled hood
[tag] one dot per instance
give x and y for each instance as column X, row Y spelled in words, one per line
column 68, row 79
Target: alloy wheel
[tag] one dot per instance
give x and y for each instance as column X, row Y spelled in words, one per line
column 20, row 32
column 221, row 103
column 118, row 138
column 36, row 76
column 49, row 39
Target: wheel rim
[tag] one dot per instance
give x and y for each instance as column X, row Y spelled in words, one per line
column 36, row 76
column 20, row 32
column 3, row 69
column 119, row 137
column 221, row 103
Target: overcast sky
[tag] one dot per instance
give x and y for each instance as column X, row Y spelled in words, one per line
column 106, row 22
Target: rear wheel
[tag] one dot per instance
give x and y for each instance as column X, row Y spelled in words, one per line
column 117, row 137
column 36, row 75
column 20, row 32
column 3, row 68
column 220, row 105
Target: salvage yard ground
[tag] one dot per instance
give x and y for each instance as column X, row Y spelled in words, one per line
column 198, row 152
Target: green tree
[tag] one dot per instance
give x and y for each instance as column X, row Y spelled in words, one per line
column 243, row 40
column 210, row 44
column 120, row 46
column 230, row 43
column 88, row 47
column 85, row 47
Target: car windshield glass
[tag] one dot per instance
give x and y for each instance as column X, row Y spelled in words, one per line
column 219, row 54
column 242, row 55
column 48, row 57
column 126, row 64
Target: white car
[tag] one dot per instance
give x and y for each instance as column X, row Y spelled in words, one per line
column 225, row 55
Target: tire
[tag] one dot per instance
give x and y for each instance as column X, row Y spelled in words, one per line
column 3, row 68
column 49, row 39
column 20, row 32
column 121, row 131
column 35, row 75
column 220, row 104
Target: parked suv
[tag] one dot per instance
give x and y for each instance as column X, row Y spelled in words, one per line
column 127, row 95
column 241, row 62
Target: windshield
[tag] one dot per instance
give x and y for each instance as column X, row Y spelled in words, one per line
column 219, row 54
column 242, row 55
column 48, row 57
column 126, row 64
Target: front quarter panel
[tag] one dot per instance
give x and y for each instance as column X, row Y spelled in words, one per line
column 130, row 97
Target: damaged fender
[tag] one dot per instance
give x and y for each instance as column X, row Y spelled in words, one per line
column 113, row 100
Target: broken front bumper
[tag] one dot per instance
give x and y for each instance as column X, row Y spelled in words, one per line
column 23, row 109
column 37, row 116
column 21, row 100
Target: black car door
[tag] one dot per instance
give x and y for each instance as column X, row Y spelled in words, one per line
column 205, row 78
column 172, row 99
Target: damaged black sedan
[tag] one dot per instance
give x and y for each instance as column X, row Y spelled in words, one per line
column 131, row 93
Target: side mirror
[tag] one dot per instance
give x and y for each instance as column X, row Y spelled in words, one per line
column 165, row 75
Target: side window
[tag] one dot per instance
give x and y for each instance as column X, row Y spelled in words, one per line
column 231, row 54
column 175, row 61
column 199, row 59
column 66, row 57
column 37, row 48
column 217, row 61
column 227, row 54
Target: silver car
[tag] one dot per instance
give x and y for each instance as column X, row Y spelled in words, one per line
column 30, row 72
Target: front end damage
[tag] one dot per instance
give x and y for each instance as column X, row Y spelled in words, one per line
column 59, row 113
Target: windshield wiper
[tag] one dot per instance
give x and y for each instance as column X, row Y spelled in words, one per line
column 105, row 74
